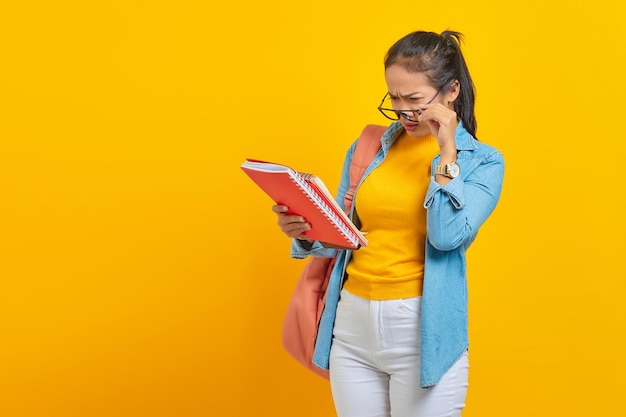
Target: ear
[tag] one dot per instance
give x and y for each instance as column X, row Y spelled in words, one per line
column 452, row 92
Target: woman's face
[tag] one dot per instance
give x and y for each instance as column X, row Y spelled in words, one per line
column 407, row 90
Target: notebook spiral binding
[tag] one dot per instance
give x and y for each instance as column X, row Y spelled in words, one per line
column 301, row 181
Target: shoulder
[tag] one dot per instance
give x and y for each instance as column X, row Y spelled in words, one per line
column 471, row 147
column 487, row 151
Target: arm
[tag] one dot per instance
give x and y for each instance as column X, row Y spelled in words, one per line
column 458, row 208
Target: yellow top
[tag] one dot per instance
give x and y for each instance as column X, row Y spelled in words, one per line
column 390, row 206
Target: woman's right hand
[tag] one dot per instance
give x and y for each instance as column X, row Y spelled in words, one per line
column 292, row 225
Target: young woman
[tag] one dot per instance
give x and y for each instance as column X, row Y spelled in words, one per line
column 394, row 331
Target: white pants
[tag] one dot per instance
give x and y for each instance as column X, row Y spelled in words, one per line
column 375, row 363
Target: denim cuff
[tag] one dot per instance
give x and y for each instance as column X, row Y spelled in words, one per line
column 454, row 189
column 298, row 251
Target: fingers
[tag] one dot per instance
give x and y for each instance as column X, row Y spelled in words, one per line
column 295, row 230
column 438, row 113
column 442, row 123
column 292, row 225
column 277, row 208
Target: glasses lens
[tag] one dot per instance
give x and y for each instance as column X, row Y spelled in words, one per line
column 386, row 109
column 389, row 114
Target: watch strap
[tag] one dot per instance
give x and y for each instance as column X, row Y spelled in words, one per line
column 441, row 170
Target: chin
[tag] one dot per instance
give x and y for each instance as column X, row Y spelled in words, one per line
column 418, row 132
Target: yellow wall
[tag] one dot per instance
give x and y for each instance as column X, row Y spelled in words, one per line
column 141, row 272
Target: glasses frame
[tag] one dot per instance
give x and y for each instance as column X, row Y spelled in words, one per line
column 402, row 113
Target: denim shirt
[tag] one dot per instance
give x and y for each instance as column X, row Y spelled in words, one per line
column 455, row 211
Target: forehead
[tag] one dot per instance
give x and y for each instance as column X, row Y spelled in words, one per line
column 399, row 79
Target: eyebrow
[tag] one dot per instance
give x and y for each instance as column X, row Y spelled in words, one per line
column 405, row 95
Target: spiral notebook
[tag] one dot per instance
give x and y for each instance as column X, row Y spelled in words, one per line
column 307, row 196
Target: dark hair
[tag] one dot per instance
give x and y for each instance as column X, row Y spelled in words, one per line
column 439, row 57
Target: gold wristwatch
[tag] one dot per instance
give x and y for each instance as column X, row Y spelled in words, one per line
column 451, row 170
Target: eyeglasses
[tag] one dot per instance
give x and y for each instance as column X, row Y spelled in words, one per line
column 392, row 114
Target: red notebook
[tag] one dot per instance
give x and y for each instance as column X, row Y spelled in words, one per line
column 307, row 196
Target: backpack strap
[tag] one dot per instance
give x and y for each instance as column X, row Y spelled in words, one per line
column 366, row 149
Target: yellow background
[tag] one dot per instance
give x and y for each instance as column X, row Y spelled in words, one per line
column 142, row 273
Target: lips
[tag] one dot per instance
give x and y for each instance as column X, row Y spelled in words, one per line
column 410, row 126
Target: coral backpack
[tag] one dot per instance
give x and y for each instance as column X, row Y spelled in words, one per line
column 307, row 302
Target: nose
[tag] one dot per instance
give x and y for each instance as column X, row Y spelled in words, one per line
column 411, row 115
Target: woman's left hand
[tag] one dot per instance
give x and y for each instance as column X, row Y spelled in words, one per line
column 442, row 122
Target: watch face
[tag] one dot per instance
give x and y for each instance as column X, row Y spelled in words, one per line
column 454, row 169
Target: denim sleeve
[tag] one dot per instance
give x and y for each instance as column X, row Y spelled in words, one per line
column 344, row 182
column 298, row 251
column 456, row 210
